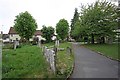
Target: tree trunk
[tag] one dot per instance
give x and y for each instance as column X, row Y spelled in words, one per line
column 92, row 39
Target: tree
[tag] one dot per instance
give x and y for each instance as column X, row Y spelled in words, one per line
column 25, row 25
column 62, row 28
column 99, row 20
column 47, row 33
column 73, row 22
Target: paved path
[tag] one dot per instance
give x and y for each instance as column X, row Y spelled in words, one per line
column 89, row 64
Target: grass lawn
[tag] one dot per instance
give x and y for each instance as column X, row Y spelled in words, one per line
column 64, row 60
column 110, row 50
column 24, row 62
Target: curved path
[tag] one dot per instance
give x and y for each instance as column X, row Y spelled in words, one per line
column 89, row 64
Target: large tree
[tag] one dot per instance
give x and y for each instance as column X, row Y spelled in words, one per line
column 47, row 32
column 73, row 22
column 62, row 28
column 25, row 25
column 98, row 19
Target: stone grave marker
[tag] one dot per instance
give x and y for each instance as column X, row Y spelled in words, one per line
column 57, row 43
column 52, row 60
column 39, row 44
column 16, row 43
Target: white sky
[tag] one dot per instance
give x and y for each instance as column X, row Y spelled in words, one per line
column 46, row 12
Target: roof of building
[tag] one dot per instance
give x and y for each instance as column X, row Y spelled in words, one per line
column 12, row 31
column 38, row 32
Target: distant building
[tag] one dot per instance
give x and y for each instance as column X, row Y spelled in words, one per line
column 5, row 38
column 13, row 35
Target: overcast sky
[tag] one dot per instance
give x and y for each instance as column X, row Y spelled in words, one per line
column 45, row 12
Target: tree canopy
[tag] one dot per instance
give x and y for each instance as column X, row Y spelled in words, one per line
column 98, row 19
column 47, row 32
column 73, row 22
column 62, row 28
column 25, row 25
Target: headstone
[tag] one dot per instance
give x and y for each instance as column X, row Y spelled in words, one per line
column 39, row 43
column 16, row 43
column 50, row 57
column 43, row 50
column 52, row 60
column 57, row 43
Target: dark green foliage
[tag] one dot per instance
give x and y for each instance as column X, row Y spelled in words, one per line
column 47, row 33
column 62, row 28
column 73, row 22
column 25, row 25
column 97, row 20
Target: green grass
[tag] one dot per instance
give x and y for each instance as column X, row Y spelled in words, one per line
column 64, row 60
column 24, row 62
column 110, row 50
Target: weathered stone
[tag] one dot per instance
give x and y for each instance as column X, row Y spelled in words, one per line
column 61, row 49
column 57, row 43
column 50, row 57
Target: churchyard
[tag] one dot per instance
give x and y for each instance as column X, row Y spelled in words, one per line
column 48, row 53
column 31, row 61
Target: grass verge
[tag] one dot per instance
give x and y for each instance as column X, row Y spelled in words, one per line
column 65, row 60
column 110, row 50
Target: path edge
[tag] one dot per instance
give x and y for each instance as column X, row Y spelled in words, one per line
column 101, row 54
column 73, row 66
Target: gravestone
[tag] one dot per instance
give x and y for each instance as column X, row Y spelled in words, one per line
column 16, row 43
column 52, row 60
column 39, row 43
column 43, row 50
column 35, row 40
column 57, row 43
column 50, row 57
